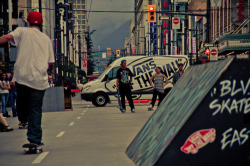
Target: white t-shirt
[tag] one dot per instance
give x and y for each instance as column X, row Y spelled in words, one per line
column 4, row 83
column 34, row 52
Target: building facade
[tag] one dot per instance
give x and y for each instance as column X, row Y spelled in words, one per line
column 229, row 26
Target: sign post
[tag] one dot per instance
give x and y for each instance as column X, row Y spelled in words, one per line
column 213, row 54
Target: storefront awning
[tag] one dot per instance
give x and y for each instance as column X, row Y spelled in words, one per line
column 234, row 44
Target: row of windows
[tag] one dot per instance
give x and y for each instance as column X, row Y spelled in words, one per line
column 78, row 6
column 81, row 27
column 80, row 2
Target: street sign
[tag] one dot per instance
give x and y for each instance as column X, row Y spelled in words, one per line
column 215, row 3
column 164, row 18
column 176, row 23
column 213, row 54
column 208, row 45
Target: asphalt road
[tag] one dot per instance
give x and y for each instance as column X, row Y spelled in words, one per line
column 88, row 136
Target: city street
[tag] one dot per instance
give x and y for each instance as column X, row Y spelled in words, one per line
column 88, row 136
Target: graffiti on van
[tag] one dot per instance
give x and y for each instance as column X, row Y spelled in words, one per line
column 144, row 70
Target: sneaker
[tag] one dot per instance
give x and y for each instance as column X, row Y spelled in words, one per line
column 6, row 115
column 41, row 144
column 133, row 110
column 123, row 111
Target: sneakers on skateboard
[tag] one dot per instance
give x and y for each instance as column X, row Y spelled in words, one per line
column 23, row 125
column 33, row 148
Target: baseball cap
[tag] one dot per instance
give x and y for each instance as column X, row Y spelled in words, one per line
column 35, row 18
column 123, row 61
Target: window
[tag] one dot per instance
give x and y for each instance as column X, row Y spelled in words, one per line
column 112, row 73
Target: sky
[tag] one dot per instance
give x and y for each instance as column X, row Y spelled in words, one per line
column 106, row 23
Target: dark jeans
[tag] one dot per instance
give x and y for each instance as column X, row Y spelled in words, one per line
column 13, row 96
column 155, row 94
column 126, row 91
column 29, row 109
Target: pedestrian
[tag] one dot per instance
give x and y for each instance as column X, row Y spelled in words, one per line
column 178, row 74
column 13, row 94
column 34, row 53
column 4, row 91
column 123, row 85
column 4, row 127
column 160, row 81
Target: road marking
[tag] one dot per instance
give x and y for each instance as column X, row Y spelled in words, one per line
column 82, row 113
column 60, row 134
column 78, row 117
column 40, row 158
column 72, row 124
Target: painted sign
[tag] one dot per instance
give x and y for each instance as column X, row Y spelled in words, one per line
column 165, row 25
column 198, row 140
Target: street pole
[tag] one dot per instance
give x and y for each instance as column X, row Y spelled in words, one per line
column 208, row 21
column 10, row 15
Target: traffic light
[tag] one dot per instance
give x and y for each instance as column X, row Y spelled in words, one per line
column 118, row 53
column 207, row 52
column 151, row 13
column 108, row 51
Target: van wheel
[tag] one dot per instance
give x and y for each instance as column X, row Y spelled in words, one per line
column 100, row 99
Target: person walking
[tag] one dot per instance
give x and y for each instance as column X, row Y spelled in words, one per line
column 178, row 74
column 123, row 85
column 4, row 91
column 13, row 94
column 160, row 81
column 34, row 53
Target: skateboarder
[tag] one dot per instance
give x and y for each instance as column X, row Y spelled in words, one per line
column 123, row 84
column 160, row 81
column 35, row 52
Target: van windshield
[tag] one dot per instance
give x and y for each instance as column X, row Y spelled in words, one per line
column 104, row 73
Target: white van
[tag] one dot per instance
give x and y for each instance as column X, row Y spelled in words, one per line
column 100, row 90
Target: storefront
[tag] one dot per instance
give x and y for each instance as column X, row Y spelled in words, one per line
column 234, row 44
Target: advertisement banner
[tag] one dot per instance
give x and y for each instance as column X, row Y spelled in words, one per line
column 84, row 59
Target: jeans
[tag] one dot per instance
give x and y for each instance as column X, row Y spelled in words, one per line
column 4, row 97
column 126, row 91
column 29, row 108
column 155, row 94
column 13, row 96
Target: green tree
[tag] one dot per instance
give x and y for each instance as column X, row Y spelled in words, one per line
column 89, row 43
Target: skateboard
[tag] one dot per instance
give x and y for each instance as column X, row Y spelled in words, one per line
column 32, row 148
column 23, row 126
column 119, row 102
column 150, row 109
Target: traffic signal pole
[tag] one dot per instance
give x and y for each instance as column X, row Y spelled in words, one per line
column 208, row 21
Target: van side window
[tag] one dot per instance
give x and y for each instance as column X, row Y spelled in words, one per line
column 112, row 73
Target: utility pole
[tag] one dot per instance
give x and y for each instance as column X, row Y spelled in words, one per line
column 208, row 21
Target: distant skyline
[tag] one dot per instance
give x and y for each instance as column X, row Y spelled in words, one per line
column 106, row 23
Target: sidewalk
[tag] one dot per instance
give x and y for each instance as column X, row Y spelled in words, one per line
column 91, row 137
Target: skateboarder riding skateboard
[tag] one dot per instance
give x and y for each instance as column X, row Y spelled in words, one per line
column 123, row 85
column 34, row 52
